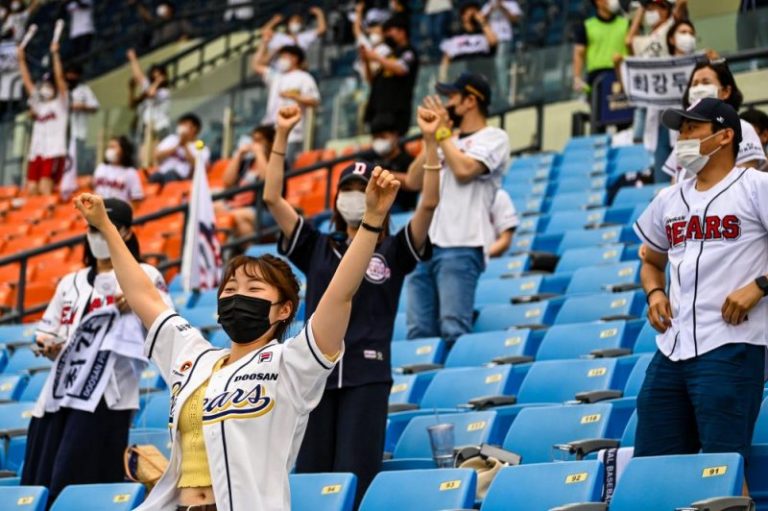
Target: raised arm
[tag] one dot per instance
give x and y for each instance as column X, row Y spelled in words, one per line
column 429, row 121
column 260, row 62
column 357, row 22
column 322, row 25
column 490, row 35
column 284, row 214
column 26, row 78
column 653, row 279
column 136, row 71
column 331, row 318
column 58, row 71
column 634, row 28
column 141, row 294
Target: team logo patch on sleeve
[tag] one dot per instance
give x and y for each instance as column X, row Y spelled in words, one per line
column 378, row 270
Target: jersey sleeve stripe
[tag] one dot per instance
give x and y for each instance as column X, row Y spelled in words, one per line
column 294, row 237
column 307, row 333
column 157, row 332
column 408, row 242
column 647, row 239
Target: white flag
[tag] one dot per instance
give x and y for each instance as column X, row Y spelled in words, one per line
column 201, row 261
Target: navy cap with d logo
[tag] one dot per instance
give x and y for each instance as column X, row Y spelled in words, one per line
column 718, row 112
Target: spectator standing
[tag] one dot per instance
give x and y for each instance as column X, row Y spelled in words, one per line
column 49, row 105
column 387, row 153
column 165, row 25
column 657, row 16
column 392, row 85
column 296, row 32
column 81, row 26
column 82, row 105
column 750, row 24
column 704, row 385
column 759, row 120
column 15, row 23
column 438, row 18
column 505, row 221
column 116, row 177
column 154, row 101
column 501, row 15
column 441, row 292
column 175, row 154
column 288, row 85
column 369, row 35
column 239, row 13
column 475, row 40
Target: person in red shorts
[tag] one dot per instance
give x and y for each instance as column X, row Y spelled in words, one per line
column 49, row 106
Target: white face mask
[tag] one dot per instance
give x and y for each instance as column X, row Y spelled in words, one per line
column 46, row 92
column 16, row 6
column 351, row 206
column 181, row 130
column 685, row 43
column 375, row 38
column 382, row 146
column 162, row 11
column 614, row 6
column 294, row 27
column 283, row 64
column 111, row 155
column 688, row 154
column 651, row 18
column 98, row 245
column 699, row 92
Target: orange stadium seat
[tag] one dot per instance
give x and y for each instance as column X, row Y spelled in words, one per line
column 40, row 202
column 7, row 296
column 307, row 158
column 312, row 203
column 151, row 189
column 52, row 226
column 26, row 215
column 173, row 247
column 177, row 189
column 53, row 272
column 8, row 192
column 13, row 230
column 152, row 204
column 414, row 147
column 37, row 293
column 9, row 273
column 25, row 243
column 216, row 173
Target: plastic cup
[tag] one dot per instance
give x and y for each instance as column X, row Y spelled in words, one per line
column 441, row 439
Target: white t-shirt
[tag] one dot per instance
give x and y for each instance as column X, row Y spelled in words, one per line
column 382, row 49
column 80, row 19
column 82, row 94
column 750, row 149
column 465, row 44
column 114, row 181
column 239, row 13
column 655, row 43
column 297, row 80
column 157, row 109
column 49, row 129
column 17, row 21
column 436, row 6
column 498, row 20
column 716, row 242
column 463, row 216
column 177, row 160
column 503, row 213
column 255, row 414
column 304, row 39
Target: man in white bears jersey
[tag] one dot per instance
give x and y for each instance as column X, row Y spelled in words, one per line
column 703, row 388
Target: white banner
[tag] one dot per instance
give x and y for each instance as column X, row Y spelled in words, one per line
column 657, row 82
column 201, row 261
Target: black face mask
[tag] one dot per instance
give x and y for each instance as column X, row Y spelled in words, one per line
column 244, row 318
column 389, row 41
column 455, row 118
column 72, row 83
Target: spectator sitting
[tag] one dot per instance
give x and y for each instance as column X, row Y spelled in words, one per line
column 154, row 102
column 166, row 28
column 49, row 106
column 475, row 39
column 175, row 154
column 81, row 26
column 297, row 33
column 392, row 85
column 15, row 23
column 289, row 85
column 116, row 177
column 505, row 221
column 759, row 120
column 387, row 153
column 83, row 104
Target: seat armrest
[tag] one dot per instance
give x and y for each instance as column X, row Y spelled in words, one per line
column 620, row 288
column 512, row 360
column 611, row 352
column 581, row 448
column 586, row 506
column 596, row 396
column 418, row 368
column 619, row 317
column 532, row 298
column 485, row 402
column 402, row 407
column 7, row 473
column 387, row 456
column 725, row 504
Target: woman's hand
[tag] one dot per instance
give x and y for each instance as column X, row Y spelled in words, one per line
column 379, row 195
column 434, row 104
column 287, row 118
column 91, row 207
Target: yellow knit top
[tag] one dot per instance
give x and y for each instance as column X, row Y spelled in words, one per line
column 194, row 460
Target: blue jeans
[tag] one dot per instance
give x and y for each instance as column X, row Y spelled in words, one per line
column 441, row 293
column 708, row 403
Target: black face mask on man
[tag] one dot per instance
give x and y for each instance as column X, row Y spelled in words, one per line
column 244, row 318
column 455, row 118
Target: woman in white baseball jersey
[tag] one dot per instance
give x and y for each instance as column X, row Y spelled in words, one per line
column 117, row 176
column 238, row 416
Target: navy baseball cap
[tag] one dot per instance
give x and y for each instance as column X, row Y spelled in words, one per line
column 360, row 170
column 468, row 83
column 716, row 111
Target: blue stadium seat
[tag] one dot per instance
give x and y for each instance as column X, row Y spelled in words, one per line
column 589, row 238
column 530, row 224
column 575, row 258
column 180, row 298
column 529, row 205
column 490, row 291
column 564, row 221
column 421, row 490
column 632, row 196
column 646, row 340
column 409, row 388
column 322, row 492
column 587, row 308
column 200, row 317
column 258, row 250
column 520, row 191
column 15, row 334
column 413, row 449
column 757, row 468
column 23, row 498
column 670, row 482
column 485, row 347
column 571, row 184
column 99, row 497
column 399, row 220
column 503, row 316
column 208, row 298
column 506, row 266
column 400, row 331
column 159, row 437
column 582, row 339
column 576, row 200
column 588, row 141
column 155, row 412
column 596, row 279
column 453, row 387
column 15, row 417
column 558, row 381
column 407, row 356
column 34, row 386
column 14, row 457
column 543, row 486
column 151, row 379
column 521, row 243
column 23, row 360
column 219, row 338
column 11, row 386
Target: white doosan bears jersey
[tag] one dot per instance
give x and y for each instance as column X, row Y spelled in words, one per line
column 255, row 412
column 717, row 242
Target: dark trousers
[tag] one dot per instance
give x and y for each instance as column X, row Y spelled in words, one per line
column 76, row 447
column 708, row 403
column 346, row 432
